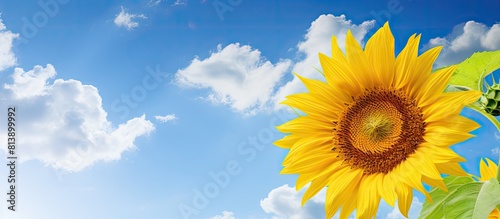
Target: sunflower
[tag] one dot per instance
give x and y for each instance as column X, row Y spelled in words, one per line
column 488, row 172
column 377, row 128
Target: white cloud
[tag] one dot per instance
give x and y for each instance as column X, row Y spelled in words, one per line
column 7, row 57
column 163, row 119
column 224, row 215
column 237, row 76
column 318, row 39
column 465, row 39
column 63, row 122
column 285, row 203
column 415, row 208
column 127, row 20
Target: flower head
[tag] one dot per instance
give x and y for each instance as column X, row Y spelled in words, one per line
column 377, row 128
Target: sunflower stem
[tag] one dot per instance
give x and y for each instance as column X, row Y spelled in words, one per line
column 485, row 114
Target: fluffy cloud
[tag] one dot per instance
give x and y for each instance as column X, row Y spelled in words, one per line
column 127, row 20
column 318, row 39
column 464, row 40
column 163, row 119
column 224, row 215
column 7, row 57
column 236, row 75
column 285, row 203
column 63, row 122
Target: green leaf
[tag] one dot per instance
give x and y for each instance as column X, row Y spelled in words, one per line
column 473, row 200
column 471, row 72
column 435, row 209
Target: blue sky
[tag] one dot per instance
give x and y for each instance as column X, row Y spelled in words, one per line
column 128, row 109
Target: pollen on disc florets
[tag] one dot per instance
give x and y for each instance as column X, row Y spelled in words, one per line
column 378, row 130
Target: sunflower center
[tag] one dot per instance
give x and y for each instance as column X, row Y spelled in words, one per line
column 379, row 130
column 377, row 127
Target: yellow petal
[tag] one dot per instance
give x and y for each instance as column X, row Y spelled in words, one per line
column 451, row 168
column 308, row 164
column 422, row 70
column 435, row 183
column 439, row 154
column 317, row 185
column 368, row 205
column 339, row 75
column 444, row 137
column 341, row 188
column 435, row 86
column 380, row 52
column 387, row 189
column 287, row 142
column 405, row 62
column 305, row 178
column 487, row 171
column 405, row 197
column 448, row 104
column 328, row 92
column 311, row 104
column 358, row 61
column 456, row 122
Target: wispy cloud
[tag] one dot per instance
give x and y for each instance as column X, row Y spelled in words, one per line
column 153, row 3
column 163, row 119
column 224, row 215
column 180, row 2
column 127, row 20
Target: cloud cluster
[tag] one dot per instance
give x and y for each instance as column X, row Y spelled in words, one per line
column 61, row 122
column 464, row 40
column 236, row 75
column 128, row 20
